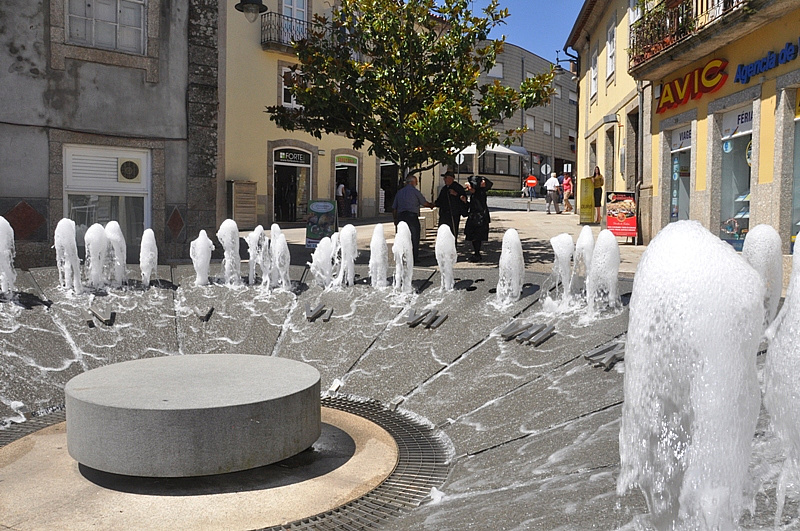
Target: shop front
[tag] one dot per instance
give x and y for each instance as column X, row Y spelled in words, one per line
column 291, row 184
column 680, row 179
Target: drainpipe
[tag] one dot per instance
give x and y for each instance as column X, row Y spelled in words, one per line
column 639, row 158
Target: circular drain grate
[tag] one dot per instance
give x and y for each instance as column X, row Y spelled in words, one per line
column 422, row 463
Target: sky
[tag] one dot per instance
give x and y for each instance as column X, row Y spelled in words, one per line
column 539, row 26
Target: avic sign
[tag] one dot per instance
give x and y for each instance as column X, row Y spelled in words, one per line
column 703, row 80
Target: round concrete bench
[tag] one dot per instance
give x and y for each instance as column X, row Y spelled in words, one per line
column 194, row 415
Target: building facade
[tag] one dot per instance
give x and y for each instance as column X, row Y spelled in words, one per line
column 725, row 134
column 110, row 113
column 550, row 141
column 288, row 168
column 614, row 108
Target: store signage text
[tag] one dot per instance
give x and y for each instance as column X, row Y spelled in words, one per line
column 693, row 85
column 293, row 157
column 768, row 62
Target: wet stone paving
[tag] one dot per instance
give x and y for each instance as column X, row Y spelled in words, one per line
column 532, row 430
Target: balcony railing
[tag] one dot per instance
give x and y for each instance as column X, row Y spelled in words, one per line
column 662, row 26
column 280, row 30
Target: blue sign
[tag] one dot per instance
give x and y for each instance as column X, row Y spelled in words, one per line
column 768, row 62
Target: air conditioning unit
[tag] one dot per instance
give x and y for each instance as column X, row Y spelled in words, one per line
column 129, row 170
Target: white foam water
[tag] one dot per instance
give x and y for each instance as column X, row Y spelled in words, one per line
column 563, row 247
column 762, row 250
column 274, row 273
column 200, row 253
column 691, row 388
column 281, row 260
column 148, row 256
column 446, row 256
column 265, row 260
column 67, row 261
column 602, row 288
column 8, row 275
column 403, row 259
column 512, row 269
column 349, row 245
column 254, row 242
column 582, row 261
column 228, row 236
column 321, row 263
column 378, row 258
column 117, row 253
column 96, row 253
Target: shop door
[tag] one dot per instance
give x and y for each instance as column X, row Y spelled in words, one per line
column 286, row 193
column 680, row 189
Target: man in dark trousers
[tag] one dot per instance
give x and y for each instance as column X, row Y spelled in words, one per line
column 406, row 208
column 450, row 203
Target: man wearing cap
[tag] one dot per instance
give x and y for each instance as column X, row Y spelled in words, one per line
column 451, row 202
column 406, row 208
column 552, row 186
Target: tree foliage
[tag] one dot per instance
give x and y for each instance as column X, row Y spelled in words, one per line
column 402, row 77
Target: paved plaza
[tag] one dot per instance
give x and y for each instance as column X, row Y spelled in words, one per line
column 529, row 432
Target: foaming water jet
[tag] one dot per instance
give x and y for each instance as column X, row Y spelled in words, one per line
column 7, row 274
column 512, row 269
column 403, row 259
column 446, row 256
column 378, row 258
column 148, row 256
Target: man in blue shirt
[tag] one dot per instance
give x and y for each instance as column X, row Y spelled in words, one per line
column 406, row 208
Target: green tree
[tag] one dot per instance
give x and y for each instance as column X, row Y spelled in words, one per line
column 402, row 76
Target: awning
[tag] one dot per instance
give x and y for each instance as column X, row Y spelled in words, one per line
column 499, row 149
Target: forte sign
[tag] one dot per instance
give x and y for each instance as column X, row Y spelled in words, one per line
column 702, row 80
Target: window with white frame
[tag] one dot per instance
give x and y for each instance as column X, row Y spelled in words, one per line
column 295, row 9
column 496, row 71
column 102, row 184
column 611, row 48
column 593, row 84
column 634, row 11
column 287, row 98
column 530, row 122
column 110, row 24
column 546, row 127
column 558, row 131
column 573, row 97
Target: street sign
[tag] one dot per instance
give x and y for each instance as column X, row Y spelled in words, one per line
column 460, row 159
column 545, row 169
column 531, row 181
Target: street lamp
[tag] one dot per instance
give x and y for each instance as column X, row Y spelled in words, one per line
column 251, row 9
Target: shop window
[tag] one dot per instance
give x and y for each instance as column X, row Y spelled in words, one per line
column 104, row 184
column 109, row 24
column 735, row 189
column 680, row 173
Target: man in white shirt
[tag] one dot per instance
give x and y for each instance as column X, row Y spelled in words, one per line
column 552, row 186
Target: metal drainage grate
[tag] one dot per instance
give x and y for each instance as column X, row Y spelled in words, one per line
column 422, row 463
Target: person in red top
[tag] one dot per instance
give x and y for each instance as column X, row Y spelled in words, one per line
column 567, row 186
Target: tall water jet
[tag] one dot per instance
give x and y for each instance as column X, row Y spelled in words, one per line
column 281, row 260
column 403, row 258
column 446, row 256
column 67, row 261
column 7, row 274
column 265, row 260
column 96, row 253
column 582, row 261
column 254, row 242
column 274, row 272
column 321, row 263
column 563, row 247
column 228, row 236
column 378, row 258
column 762, row 250
column 602, row 287
column 691, row 389
column 348, row 241
column 782, row 382
column 148, row 256
column 200, row 253
column 117, row 253
column 336, row 254
column 512, row 269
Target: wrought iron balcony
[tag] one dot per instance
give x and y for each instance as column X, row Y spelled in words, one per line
column 279, row 31
column 669, row 22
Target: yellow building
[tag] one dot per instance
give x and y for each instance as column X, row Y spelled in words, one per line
column 289, row 168
column 610, row 115
column 725, row 136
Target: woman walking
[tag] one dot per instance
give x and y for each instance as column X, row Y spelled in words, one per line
column 597, row 181
column 476, row 229
column 567, row 186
